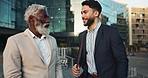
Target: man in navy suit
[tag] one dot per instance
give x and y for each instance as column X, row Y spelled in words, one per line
column 103, row 53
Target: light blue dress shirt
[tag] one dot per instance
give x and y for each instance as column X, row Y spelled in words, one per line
column 43, row 46
column 90, row 44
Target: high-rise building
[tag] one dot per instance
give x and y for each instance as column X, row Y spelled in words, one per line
column 11, row 19
column 114, row 14
column 64, row 15
column 62, row 22
column 61, row 19
column 138, row 25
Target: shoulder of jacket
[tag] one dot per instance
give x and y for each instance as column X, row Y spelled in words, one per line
column 18, row 35
column 51, row 37
column 83, row 32
column 109, row 28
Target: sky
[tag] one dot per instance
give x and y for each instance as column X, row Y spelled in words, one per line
column 135, row 3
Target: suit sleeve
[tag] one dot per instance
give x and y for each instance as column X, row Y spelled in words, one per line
column 79, row 38
column 120, row 54
column 12, row 60
column 79, row 57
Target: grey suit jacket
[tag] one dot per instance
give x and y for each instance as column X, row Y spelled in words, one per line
column 22, row 58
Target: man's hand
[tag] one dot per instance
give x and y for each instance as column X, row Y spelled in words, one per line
column 75, row 70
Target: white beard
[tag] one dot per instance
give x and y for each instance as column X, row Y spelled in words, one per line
column 41, row 28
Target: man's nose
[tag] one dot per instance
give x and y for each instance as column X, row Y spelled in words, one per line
column 83, row 16
column 47, row 21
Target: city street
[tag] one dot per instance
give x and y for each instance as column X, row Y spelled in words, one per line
column 138, row 67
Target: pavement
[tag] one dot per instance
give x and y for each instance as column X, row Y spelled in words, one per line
column 138, row 67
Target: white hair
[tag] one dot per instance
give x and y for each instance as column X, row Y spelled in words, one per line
column 33, row 10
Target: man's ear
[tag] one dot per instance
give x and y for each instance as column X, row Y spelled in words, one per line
column 31, row 18
column 96, row 13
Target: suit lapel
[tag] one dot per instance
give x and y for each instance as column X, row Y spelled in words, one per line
column 50, row 47
column 33, row 43
column 99, row 36
column 85, row 33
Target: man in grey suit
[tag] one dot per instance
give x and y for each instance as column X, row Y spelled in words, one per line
column 32, row 53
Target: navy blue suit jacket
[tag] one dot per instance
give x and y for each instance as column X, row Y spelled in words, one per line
column 110, row 55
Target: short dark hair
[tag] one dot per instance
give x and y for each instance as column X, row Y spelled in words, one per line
column 93, row 4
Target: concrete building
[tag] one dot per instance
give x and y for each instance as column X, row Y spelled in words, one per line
column 138, row 25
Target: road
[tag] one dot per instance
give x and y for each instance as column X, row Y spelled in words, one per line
column 138, row 67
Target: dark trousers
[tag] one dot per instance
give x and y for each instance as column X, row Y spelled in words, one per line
column 87, row 75
column 90, row 76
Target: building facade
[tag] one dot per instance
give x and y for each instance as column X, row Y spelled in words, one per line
column 114, row 14
column 12, row 19
column 64, row 15
column 62, row 22
column 138, row 25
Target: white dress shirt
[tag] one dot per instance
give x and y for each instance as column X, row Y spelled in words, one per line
column 43, row 46
column 90, row 45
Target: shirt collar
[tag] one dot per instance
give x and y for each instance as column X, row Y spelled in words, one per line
column 42, row 37
column 96, row 27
